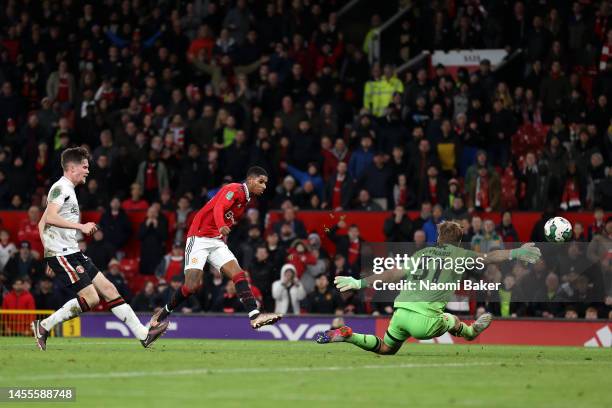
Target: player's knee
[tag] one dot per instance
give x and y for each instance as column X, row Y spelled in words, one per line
column 92, row 298
column 387, row 350
column 193, row 279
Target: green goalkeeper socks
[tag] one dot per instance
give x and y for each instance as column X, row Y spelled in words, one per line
column 467, row 332
column 368, row 342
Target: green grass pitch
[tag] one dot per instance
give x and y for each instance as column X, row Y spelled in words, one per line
column 226, row 373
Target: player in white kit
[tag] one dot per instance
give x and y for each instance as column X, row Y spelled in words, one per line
column 58, row 230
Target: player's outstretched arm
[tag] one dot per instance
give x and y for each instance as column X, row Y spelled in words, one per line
column 52, row 217
column 527, row 253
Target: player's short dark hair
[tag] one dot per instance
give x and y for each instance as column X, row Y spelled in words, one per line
column 74, row 155
column 256, row 171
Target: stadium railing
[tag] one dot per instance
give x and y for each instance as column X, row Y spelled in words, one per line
column 16, row 322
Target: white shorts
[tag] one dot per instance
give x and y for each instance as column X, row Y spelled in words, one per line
column 199, row 250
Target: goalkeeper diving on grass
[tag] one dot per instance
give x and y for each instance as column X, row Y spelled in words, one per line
column 419, row 313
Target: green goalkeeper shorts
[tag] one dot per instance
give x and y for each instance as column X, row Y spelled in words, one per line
column 407, row 323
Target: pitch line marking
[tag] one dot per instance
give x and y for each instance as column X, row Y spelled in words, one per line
column 238, row 370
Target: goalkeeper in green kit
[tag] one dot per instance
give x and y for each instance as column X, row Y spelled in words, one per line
column 419, row 313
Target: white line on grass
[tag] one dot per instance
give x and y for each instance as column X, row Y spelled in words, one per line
column 196, row 371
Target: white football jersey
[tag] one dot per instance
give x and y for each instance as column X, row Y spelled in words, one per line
column 62, row 241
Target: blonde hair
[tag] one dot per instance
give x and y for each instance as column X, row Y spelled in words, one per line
column 449, row 232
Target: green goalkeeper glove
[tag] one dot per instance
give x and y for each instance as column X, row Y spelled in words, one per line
column 344, row 283
column 527, row 253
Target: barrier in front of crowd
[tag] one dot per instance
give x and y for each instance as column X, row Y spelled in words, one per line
column 542, row 332
column 17, row 323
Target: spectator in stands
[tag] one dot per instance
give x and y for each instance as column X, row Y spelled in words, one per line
column 349, row 244
column 475, row 228
column 99, row 250
column 424, row 215
column 311, row 175
column 431, row 225
column 324, row 299
column 18, row 299
column 402, row 194
column 506, row 229
column 173, row 263
column 45, row 297
column 484, row 191
column 117, row 278
column 488, row 239
column 24, row 264
column 398, row 227
column 457, row 210
column 7, row 248
column 28, row 230
column 300, row 256
column 377, row 180
column 365, row 202
column 434, row 188
column 601, row 243
column 135, row 202
column 573, row 189
column 152, row 176
column 246, row 248
column 144, row 301
column 289, row 219
column 338, row 189
column 116, row 225
column 152, row 234
column 262, row 274
column 361, row 158
column 287, row 291
column 288, row 191
column 598, row 224
column 578, row 232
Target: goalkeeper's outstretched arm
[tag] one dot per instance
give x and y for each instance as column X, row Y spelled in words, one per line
column 527, row 252
column 344, row 283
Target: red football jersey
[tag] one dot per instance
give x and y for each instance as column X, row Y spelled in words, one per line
column 225, row 208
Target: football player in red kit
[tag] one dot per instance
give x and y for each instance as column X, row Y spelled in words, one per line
column 206, row 243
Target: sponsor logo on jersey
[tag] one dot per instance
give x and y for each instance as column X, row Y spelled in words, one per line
column 229, row 195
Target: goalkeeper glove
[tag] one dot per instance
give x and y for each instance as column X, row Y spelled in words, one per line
column 344, row 283
column 527, row 253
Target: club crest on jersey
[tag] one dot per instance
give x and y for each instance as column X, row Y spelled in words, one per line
column 194, row 261
column 229, row 195
column 80, row 269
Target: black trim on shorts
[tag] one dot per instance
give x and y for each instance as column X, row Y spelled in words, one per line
column 392, row 337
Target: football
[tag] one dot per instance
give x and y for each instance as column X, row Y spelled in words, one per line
column 558, row 229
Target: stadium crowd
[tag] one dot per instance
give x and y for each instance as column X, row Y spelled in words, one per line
column 174, row 99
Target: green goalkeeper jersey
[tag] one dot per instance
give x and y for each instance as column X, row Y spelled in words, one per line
column 434, row 267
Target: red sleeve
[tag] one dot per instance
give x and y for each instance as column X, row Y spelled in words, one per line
column 224, row 202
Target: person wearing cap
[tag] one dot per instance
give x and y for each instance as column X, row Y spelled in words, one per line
column 24, row 264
